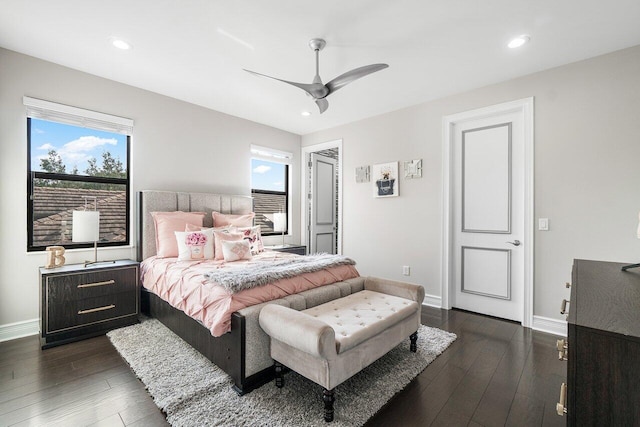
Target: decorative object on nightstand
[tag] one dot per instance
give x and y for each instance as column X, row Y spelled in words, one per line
column 86, row 228
column 55, row 257
column 78, row 301
column 627, row 267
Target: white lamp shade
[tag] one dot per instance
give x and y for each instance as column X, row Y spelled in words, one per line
column 279, row 221
column 86, row 226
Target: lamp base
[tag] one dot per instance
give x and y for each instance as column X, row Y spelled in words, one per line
column 95, row 256
column 627, row 267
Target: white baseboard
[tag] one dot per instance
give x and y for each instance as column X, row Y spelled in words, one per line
column 432, row 301
column 552, row 326
column 12, row 331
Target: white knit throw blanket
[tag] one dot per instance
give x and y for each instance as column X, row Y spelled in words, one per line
column 235, row 280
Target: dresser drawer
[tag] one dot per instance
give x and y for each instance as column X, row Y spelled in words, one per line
column 91, row 310
column 73, row 287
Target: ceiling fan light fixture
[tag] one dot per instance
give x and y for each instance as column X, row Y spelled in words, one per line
column 120, row 43
column 519, row 41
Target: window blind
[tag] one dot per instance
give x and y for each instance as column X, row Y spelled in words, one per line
column 46, row 110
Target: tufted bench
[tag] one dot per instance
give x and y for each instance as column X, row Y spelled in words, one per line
column 331, row 342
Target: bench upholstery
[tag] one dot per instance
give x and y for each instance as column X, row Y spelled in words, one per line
column 331, row 342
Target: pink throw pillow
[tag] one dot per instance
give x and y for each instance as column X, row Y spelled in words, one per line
column 234, row 251
column 220, row 219
column 221, row 236
column 167, row 223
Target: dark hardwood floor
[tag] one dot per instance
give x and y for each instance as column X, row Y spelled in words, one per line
column 496, row 373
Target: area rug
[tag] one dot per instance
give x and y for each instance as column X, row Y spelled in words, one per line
column 192, row 391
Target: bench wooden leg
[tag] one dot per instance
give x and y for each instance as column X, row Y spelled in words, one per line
column 327, row 396
column 414, row 342
column 279, row 375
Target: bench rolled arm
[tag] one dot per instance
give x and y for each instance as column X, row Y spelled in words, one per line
column 391, row 287
column 298, row 330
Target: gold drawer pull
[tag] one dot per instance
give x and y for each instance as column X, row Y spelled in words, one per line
column 563, row 307
column 568, row 285
column 93, row 310
column 563, row 348
column 560, row 406
column 91, row 285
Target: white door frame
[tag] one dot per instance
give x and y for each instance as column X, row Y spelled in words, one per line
column 523, row 107
column 304, row 189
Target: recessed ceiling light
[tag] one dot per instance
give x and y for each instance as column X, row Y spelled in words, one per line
column 519, row 41
column 306, row 113
column 120, row 44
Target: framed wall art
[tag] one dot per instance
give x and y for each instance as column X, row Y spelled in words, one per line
column 363, row 174
column 385, row 180
column 413, row 169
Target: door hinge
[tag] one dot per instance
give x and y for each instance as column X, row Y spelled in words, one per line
column 309, row 164
column 309, row 196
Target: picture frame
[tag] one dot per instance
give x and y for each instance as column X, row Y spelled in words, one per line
column 363, row 174
column 386, row 180
column 413, row 169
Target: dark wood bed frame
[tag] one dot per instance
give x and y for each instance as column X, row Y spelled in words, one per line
column 226, row 351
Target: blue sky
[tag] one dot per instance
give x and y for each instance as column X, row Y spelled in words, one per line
column 76, row 145
column 267, row 175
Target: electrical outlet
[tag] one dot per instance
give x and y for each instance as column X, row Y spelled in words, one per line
column 406, row 270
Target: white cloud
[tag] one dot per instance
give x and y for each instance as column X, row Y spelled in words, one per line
column 87, row 143
column 47, row 147
column 262, row 169
column 278, row 184
column 38, row 130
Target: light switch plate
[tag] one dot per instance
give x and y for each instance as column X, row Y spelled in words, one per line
column 543, row 224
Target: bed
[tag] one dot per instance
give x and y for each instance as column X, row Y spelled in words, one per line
column 242, row 352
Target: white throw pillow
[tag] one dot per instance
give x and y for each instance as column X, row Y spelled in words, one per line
column 236, row 250
column 195, row 245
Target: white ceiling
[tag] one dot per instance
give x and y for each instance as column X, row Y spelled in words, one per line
column 194, row 50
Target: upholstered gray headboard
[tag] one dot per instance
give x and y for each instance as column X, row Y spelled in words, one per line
column 168, row 201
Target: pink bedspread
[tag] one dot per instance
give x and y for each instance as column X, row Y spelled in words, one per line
column 182, row 284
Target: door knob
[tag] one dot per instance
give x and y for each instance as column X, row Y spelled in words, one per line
column 515, row 243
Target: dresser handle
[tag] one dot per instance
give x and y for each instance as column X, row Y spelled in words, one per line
column 563, row 347
column 563, row 307
column 91, row 285
column 93, row 310
column 560, row 406
column 567, row 285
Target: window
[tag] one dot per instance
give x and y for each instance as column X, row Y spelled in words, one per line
column 75, row 161
column 269, row 186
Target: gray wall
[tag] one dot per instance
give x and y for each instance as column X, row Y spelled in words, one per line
column 587, row 172
column 175, row 146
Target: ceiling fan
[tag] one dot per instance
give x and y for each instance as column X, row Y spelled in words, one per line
column 319, row 91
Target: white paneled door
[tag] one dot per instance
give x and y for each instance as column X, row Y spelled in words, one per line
column 322, row 228
column 488, row 211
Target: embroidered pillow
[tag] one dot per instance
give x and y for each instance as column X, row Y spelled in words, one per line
column 222, row 236
column 236, row 250
column 195, row 245
column 254, row 237
column 167, row 223
column 220, row 219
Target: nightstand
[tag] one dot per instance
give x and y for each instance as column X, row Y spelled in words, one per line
column 293, row 249
column 78, row 302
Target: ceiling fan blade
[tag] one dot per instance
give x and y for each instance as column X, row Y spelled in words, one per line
column 309, row 88
column 349, row 76
column 323, row 104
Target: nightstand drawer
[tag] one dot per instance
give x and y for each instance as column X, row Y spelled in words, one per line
column 70, row 287
column 91, row 310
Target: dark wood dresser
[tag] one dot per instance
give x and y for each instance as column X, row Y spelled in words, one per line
column 603, row 371
column 78, row 302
